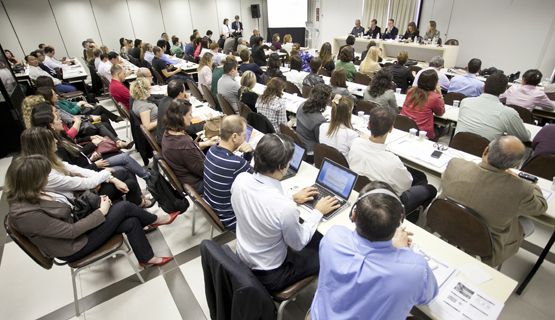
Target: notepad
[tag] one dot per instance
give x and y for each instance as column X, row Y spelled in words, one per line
column 475, row 273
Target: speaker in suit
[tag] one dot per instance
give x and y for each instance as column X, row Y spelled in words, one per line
column 374, row 33
column 391, row 34
column 237, row 26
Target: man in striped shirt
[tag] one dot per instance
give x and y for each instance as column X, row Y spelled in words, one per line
column 222, row 166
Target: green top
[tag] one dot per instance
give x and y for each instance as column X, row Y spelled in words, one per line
column 176, row 50
column 349, row 67
column 69, row 106
column 216, row 75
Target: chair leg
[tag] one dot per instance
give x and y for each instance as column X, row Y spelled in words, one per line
column 193, row 222
column 132, row 264
column 75, row 299
column 127, row 245
column 211, row 232
column 281, row 309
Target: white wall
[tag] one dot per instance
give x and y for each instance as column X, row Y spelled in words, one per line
column 506, row 34
column 337, row 18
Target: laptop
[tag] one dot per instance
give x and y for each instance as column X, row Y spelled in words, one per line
column 295, row 163
column 249, row 132
column 333, row 180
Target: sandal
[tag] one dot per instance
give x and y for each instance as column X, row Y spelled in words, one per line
column 143, row 204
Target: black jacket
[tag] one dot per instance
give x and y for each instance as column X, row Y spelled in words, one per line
column 232, row 291
column 258, row 55
column 402, row 76
column 391, row 35
column 377, row 32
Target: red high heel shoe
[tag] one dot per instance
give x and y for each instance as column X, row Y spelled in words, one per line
column 172, row 215
column 164, row 261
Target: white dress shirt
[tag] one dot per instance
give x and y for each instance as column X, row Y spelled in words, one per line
column 296, row 78
column 226, row 30
column 149, row 55
column 267, row 221
column 53, row 63
column 443, row 81
column 373, row 161
column 35, row 72
column 97, row 63
column 66, row 185
column 342, row 140
column 105, row 70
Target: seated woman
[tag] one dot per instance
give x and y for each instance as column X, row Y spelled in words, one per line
column 338, row 82
column 183, row 155
column 273, row 67
column 32, row 207
column 84, row 155
column 176, row 48
column 287, row 43
column 345, row 62
column 246, row 66
column 527, row 95
column 123, row 48
column 275, row 41
column 246, row 95
column 432, row 32
column 66, row 178
column 147, row 111
column 370, row 45
column 27, row 108
column 349, row 43
column 411, row 33
column 198, row 48
column 339, row 132
column 306, row 57
column 205, row 71
column 258, row 54
column 295, row 75
column 379, row 92
column 370, row 65
column 423, row 102
column 271, row 104
column 12, row 59
column 327, row 57
column 309, row 117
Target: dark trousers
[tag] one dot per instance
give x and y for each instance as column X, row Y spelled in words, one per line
column 100, row 110
column 110, row 190
column 123, row 217
column 298, row 265
column 416, row 196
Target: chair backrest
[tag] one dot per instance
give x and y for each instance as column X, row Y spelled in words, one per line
column 323, row 72
column 209, row 97
column 292, row 134
column 551, row 96
column 226, row 106
column 461, row 227
column 387, row 64
column 207, row 212
column 291, row 88
column 415, row 68
column 525, row 114
column 159, row 80
column 105, row 81
column 322, row 151
column 266, row 79
column 452, row 96
column 244, row 110
column 362, row 78
column 541, row 166
column 122, row 109
column 404, row 123
column 27, row 246
column 469, row 143
column 362, row 181
column 452, row 42
column 170, row 175
column 150, row 138
column 365, row 106
column 306, row 91
column 194, row 90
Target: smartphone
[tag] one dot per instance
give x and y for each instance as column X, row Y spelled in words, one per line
column 436, row 154
column 528, row 177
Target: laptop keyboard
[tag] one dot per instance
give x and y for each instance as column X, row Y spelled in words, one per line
column 322, row 193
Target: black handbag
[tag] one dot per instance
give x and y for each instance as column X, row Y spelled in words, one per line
column 87, row 128
column 85, row 204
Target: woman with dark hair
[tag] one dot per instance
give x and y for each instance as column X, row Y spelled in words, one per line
column 295, row 75
column 198, row 47
column 12, row 59
column 183, row 155
column 345, row 61
column 379, row 92
column 225, row 28
column 309, row 117
column 412, row 33
column 350, row 42
column 274, row 67
column 166, row 39
column 123, row 46
column 45, row 217
column 338, row 82
column 327, row 57
column 272, row 105
column 425, row 101
column 528, row 95
column 339, row 132
column 258, row 54
column 275, row 41
column 176, row 48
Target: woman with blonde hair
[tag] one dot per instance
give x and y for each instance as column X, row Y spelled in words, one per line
column 327, row 57
column 306, row 57
column 147, row 111
column 246, row 95
column 370, row 65
column 89, row 54
column 272, row 105
column 205, row 71
column 339, row 132
column 27, row 108
column 432, row 32
column 287, row 43
column 104, row 49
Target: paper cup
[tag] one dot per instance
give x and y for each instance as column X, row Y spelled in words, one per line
column 456, row 103
column 413, row 132
column 422, row 135
column 398, row 90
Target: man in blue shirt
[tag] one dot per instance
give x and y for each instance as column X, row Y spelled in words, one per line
column 190, row 47
column 370, row 272
column 162, row 45
column 468, row 84
column 222, row 166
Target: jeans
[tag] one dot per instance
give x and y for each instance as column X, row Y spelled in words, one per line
column 110, row 190
column 65, row 88
column 181, row 77
column 123, row 161
column 123, row 217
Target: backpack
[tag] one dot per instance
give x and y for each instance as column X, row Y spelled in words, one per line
column 169, row 199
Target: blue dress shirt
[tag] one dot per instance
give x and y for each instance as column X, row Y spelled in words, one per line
column 190, row 49
column 466, row 84
column 168, row 60
column 360, row 279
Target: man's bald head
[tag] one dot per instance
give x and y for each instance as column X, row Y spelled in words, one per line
column 145, row 73
column 232, row 124
column 505, row 152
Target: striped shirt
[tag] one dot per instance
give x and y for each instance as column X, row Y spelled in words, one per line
column 220, row 169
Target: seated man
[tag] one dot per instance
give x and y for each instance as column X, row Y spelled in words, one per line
column 268, row 220
column 217, row 60
column 391, row 31
column 190, row 47
column 35, row 72
column 313, row 78
column 374, row 31
column 149, row 54
column 436, row 64
column 97, row 59
column 51, row 61
column 497, row 194
column 160, row 67
column 222, row 166
column 228, row 86
column 39, row 54
column 221, row 42
column 402, row 76
column 176, row 49
column 229, row 42
column 245, row 55
column 489, row 118
column 162, row 44
column 105, row 68
column 468, row 84
column 255, row 35
column 357, row 30
column 371, row 271
column 368, row 157
column 118, row 91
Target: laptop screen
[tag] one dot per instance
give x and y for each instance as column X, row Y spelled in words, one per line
column 337, row 178
column 297, row 157
column 249, row 131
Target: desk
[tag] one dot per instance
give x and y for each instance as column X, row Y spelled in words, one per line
column 76, row 73
column 415, row 51
column 500, row 287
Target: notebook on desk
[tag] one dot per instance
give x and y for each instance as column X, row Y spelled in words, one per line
column 333, row 180
column 295, row 163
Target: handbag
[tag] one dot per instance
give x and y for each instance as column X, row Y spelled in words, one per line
column 87, row 128
column 107, row 146
column 212, row 127
column 85, row 204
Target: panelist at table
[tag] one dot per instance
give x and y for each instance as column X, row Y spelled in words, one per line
column 411, row 33
column 374, row 31
column 391, row 31
column 432, row 32
column 357, row 29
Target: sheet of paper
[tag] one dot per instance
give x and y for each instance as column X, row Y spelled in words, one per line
column 547, row 194
column 459, row 299
column 407, row 147
column 475, row 273
column 442, row 270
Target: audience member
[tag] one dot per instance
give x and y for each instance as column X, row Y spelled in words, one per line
column 358, row 30
column 306, row 57
column 176, row 90
column 208, row 36
column 27, row 108
column 528, row 95
column 202, row 48
column 350, row 42
column 370, row 65
column 379, row 91
column 255, row 34
column 166, row 46
column 374, row 32
column 371, row 44
column 104, row 49
column 136, row 51
column 205, row 71
column 98, row 58
column 141, row 107
column 467, row 84
column 229, row 43
column 436, row 64
column 339, row 132
column 228, row 86
column 338, row 83
column 402, row 76
column 122, row 49
column 246, row 95
column 176, row 48
column 258, row 54
column 145, row 73
column 39, row 54
column 160, row 67
column 242, row 45
column 313, row 78
column 221, row 42
column 275, row 41
column 274, row 65
column 295, row 75
column 271, row 104
column 148, row 54
column 35, row 72
column 391, row 31
column 345, row 61
column 163, row 45
column 327, row 58
column 412, row 33
column 309, row 117
column 543, row 142
column 118, row 91
column 113, row 59
column 217, row 74
column 190, row 47
column 247, row 66
column 51, row 61
column 214, row 51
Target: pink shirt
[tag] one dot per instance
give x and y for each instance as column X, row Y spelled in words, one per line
column 527, row 96
column 424, row 118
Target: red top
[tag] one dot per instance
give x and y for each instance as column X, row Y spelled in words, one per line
column 197, row 52
column 119, row 92
column 71, row 132
column 424, row 118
